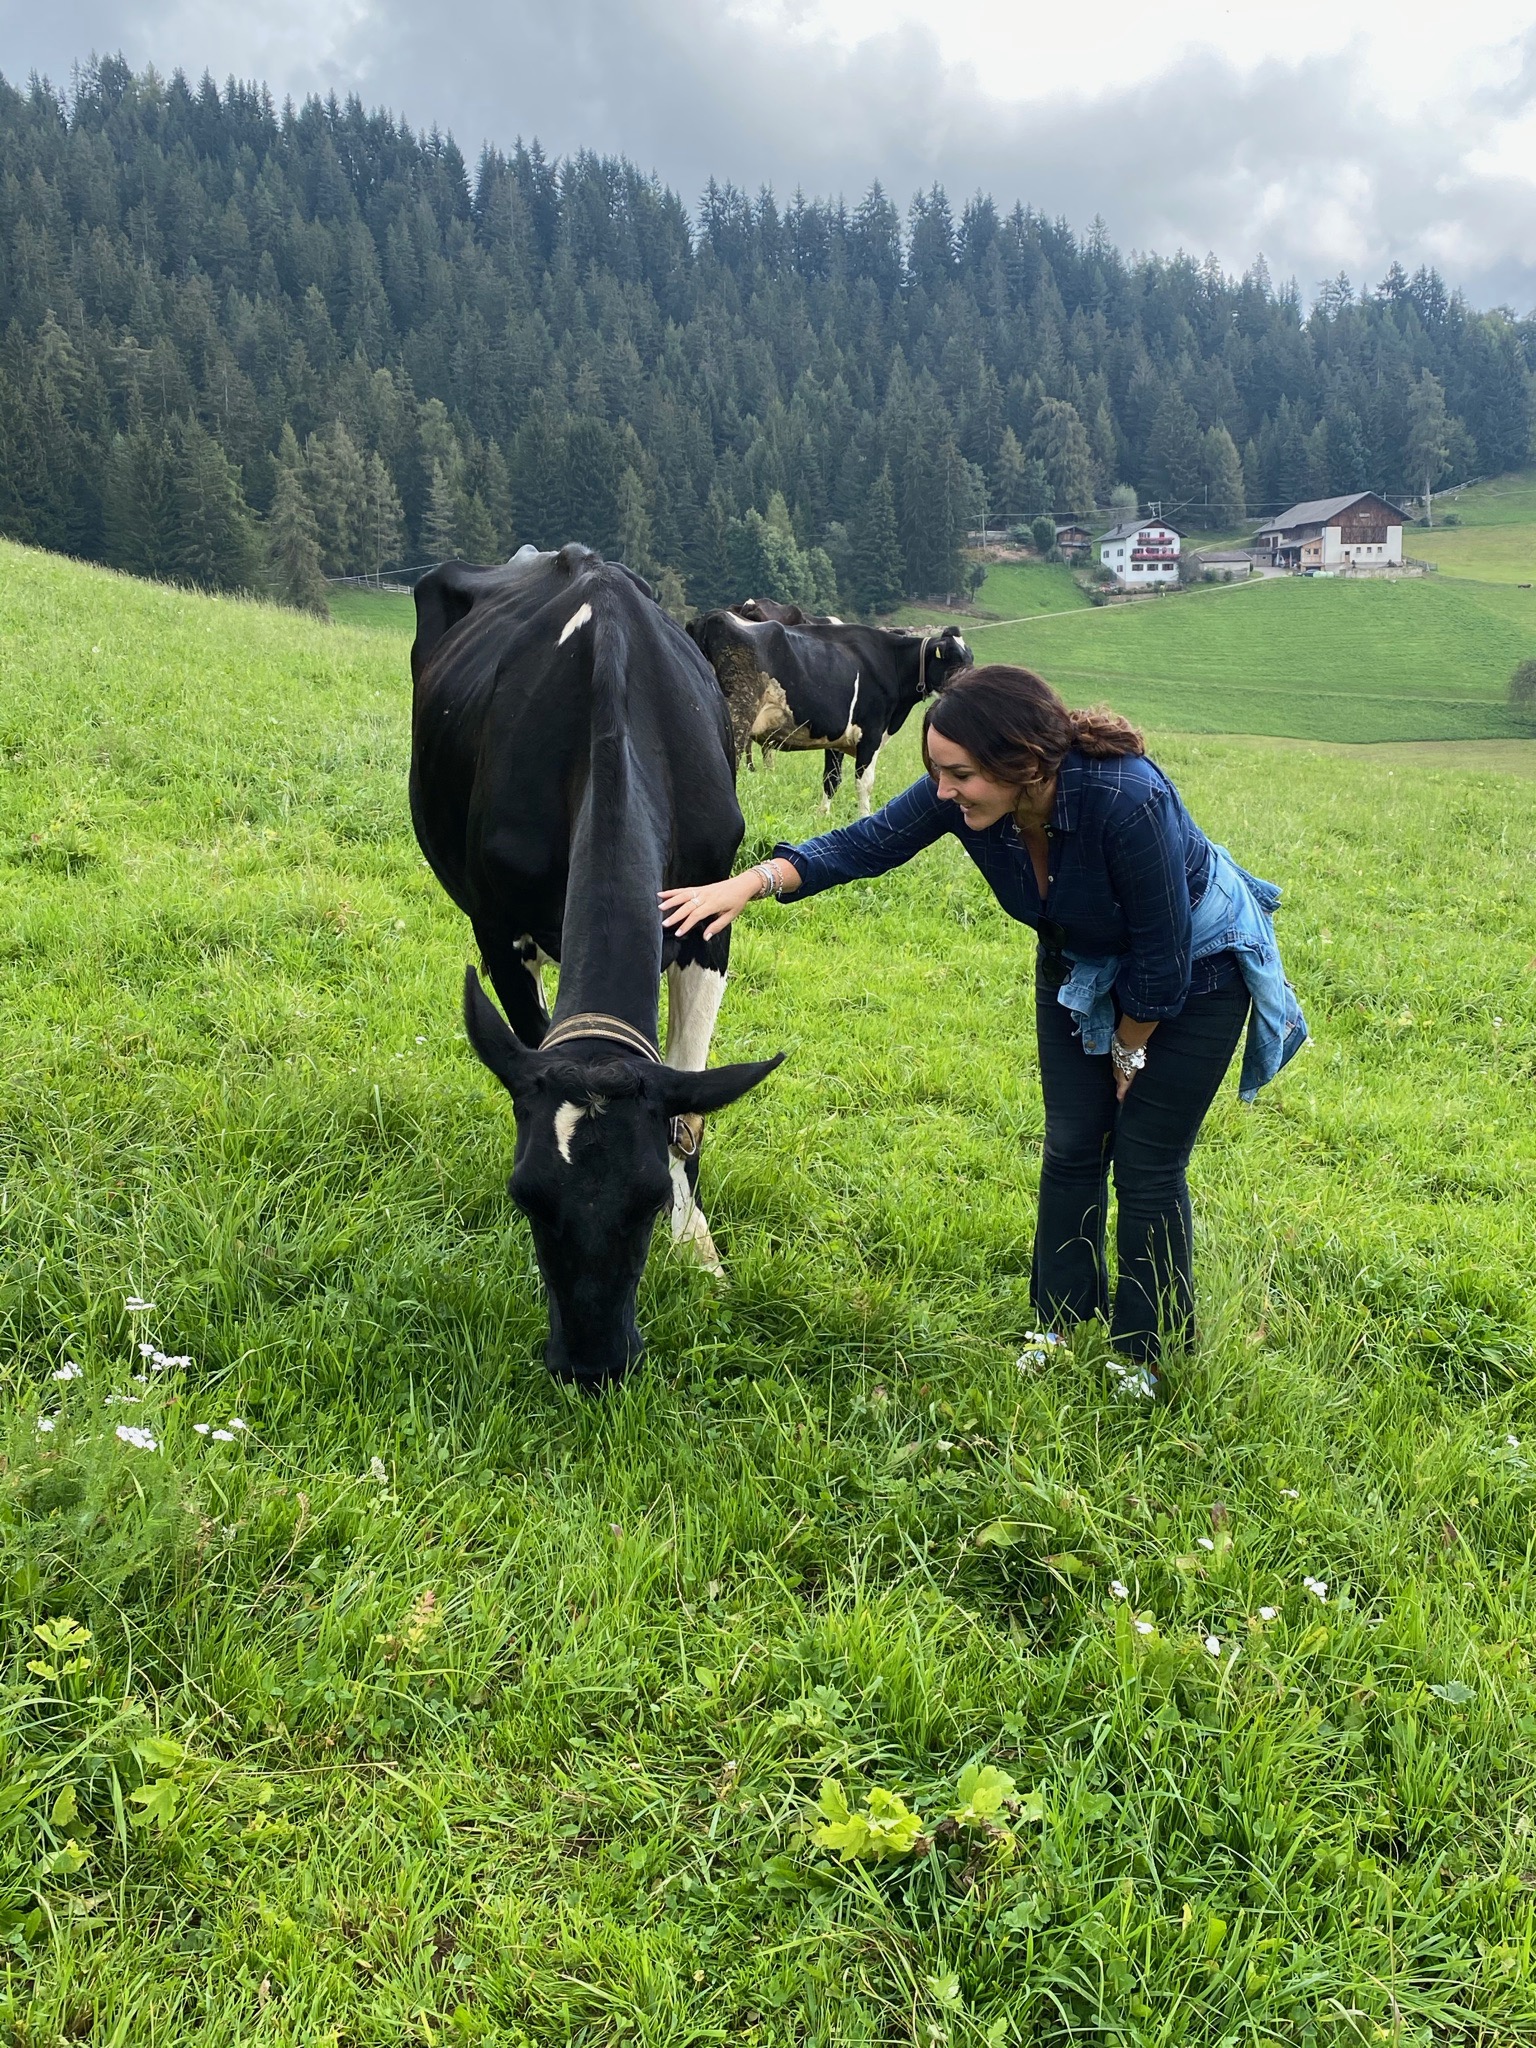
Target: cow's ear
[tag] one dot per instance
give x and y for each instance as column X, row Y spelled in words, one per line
column 686, row 1092
column 497, row 1044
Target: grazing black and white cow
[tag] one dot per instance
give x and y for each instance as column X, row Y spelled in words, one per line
column 570, row 757
column 823, row 687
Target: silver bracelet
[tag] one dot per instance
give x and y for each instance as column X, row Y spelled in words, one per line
column 772, row 886
column 1128, row 1059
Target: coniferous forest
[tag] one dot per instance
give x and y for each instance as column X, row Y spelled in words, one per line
column 245, row 346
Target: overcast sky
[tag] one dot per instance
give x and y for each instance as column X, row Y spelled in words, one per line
column 1325, row 144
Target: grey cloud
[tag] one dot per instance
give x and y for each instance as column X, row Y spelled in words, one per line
column 1296, row 160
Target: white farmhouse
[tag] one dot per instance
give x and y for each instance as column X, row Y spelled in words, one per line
column 1141, row 553
column 1358, row 532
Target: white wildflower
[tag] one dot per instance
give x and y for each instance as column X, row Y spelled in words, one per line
column 47, row 1423
column 1317, row 1587
column 201, row 1428
column 1213, row 1646
column 1143, row 1628
column 69, row 1371
column 121, row 1401
column 146, row 1350
column 1206, row 1542
column 419, row 1039
column 378, row 1470
column 1289, row 1493
column 137, row 1306
column 1512, row 1441
column 1268, row 1613
column 1119, row 1589
column 223, row 1436
column 139, row 1439
column 236, row 1423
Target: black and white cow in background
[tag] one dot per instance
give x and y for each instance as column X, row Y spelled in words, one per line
column 826, row 688
column 570, row 756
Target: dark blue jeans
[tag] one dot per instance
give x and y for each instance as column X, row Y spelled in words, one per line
column 1147, row 1140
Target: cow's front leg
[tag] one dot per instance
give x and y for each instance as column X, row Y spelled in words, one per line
column 865, row 766
column 695, row 991
column 516, row 966
column 831, row 777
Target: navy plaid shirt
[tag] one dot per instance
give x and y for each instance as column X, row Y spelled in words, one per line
column 1126, row 863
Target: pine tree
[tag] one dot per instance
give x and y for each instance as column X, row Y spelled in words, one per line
column 475, row 535
column 293, row 548
column 1008, row 478
column 440, row 530
column 1223, row 478
column 1429, row 437
column 877, row 549
column 383, row 541
column 213, row 542
column 1060, row 440
column 337, row 485
column 1172, row 472
column 139, row 505
column 635, row 525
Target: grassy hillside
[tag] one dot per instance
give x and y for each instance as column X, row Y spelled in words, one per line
column 433, row 1703
column 1293, row 656
column 1496, row 539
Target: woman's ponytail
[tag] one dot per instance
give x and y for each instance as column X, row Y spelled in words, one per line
column 1103, row 733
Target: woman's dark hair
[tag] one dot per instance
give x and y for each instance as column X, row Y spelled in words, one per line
column 1015, row 727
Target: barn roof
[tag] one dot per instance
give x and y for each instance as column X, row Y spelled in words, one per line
column 1318, row 511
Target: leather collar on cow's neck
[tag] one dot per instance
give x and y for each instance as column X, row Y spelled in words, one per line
column 683, row 1132
column 598, row 1024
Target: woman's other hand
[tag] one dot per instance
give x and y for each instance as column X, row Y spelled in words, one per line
column 721, row 902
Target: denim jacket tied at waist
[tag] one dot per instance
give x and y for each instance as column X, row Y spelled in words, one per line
column 1235, row 915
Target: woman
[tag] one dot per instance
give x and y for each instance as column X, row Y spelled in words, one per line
column 1154, row 946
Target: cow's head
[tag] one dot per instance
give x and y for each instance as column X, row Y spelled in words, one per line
column 948, row 657
column 591, row 1173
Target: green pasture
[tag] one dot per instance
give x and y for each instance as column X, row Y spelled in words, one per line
column 398, row 1696
column 1310, row 658
column 1495, row 541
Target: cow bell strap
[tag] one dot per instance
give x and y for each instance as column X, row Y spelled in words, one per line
column 922, row 659
column 595, row 1024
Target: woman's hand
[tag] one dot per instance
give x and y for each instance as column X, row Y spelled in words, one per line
column 721, row 902
column 1129, row 1052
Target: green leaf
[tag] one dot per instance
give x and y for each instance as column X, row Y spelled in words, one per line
column 1454, row 1693
column 1000, row 1534
column 886, row 1828
column 158, row 1801
column 65, row 1808
column 944, row 1986
column 981, row 1795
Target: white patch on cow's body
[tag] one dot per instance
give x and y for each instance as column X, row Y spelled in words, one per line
column 694, row 996
column 577, row 619
column 867, row 786
column 831, row 621
column 960, row 645
column 567, row 1117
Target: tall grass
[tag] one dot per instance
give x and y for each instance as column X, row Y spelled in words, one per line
column 439, row 1704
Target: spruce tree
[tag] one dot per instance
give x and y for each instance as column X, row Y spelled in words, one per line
column 1223, row 476
column 213, row 541
column 293, row 548
column 1060, row 440
column 440, row 530
column 877, row 549
column 138, row 503
column 384, row 518
column 635, row 525
column 1174, row 457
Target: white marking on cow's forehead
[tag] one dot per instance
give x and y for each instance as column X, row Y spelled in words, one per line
column 567, row 1117
column 960, row 643
column 577, row 618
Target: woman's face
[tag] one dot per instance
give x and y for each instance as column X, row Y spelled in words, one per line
column 981, row 800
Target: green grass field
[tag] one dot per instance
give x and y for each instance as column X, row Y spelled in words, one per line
column 436, row 1704
column 1306, row 658
column 1496, row 539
